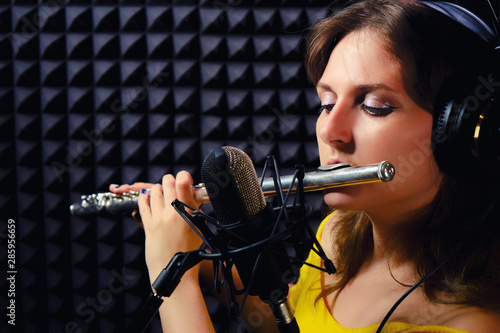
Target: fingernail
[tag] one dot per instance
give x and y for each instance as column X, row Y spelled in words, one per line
column 143, row 191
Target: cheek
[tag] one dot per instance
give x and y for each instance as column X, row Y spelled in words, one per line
column 412, row 155
column 323, row 152
column 376, row 143
column 322, row 147
column 406, row 144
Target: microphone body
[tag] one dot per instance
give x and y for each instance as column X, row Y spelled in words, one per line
column 246, row 218
column 325, row 178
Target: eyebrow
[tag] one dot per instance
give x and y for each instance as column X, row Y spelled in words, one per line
column 362, row 87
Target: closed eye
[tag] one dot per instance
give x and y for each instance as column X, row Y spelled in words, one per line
column 327, row 107
column 378, row 111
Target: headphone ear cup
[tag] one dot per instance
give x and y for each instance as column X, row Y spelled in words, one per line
column 466, row 125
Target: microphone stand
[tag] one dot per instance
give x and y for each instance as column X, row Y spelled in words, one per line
column 281, row 309
column 170, row 277
column 164, row 286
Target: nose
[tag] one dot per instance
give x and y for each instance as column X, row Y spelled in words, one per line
column 335, row 127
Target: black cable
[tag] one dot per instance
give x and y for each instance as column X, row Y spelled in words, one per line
column 415, row 286
column 435, row 269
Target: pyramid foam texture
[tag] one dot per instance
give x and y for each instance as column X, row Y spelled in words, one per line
column 96, row 92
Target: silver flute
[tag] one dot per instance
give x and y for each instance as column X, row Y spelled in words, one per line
column 326, row 177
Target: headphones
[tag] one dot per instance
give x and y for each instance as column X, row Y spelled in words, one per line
column 466, row 125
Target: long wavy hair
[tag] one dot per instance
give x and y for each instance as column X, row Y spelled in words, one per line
column 429, row 48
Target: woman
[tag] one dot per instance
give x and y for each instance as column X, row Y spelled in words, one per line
column 377, row 67
column 377, row 89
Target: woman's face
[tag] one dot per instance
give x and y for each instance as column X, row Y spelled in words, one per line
column 367, row 117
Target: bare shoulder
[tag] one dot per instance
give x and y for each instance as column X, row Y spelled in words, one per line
column 475, row 320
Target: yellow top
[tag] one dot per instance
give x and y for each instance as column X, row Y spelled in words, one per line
column 315, row 318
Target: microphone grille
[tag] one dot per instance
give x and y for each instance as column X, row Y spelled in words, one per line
column 246, row 180
column 232, row 185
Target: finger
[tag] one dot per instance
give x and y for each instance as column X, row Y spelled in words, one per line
column 169, row 191
column 156, row 199
column 137, row 218
column 144, row 207
column 184, row 187
column 115, row 188
column 129, row 187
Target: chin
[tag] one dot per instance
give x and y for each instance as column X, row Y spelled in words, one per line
column 344, row 198
column 356, row 197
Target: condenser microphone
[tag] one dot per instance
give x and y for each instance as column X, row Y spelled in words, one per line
column 246, row 218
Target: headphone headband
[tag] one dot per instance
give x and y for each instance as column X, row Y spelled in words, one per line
column 466, row 18
column 466, row 127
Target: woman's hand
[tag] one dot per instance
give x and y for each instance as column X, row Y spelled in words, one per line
column 166, row 231
column 166, row 234
column 136, row 187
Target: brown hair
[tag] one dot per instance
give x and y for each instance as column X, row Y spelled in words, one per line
column 430, row 48
column 428, row 45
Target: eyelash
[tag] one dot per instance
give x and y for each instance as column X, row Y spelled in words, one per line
column 377, row 112
column 327, row 107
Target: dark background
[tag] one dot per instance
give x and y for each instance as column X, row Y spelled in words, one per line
column 100, row 92
column 118, row 91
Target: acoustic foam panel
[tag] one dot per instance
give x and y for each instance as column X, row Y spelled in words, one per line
column 107, row 91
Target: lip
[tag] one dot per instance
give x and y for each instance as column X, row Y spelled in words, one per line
column 330, row 167
column 334, row 161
